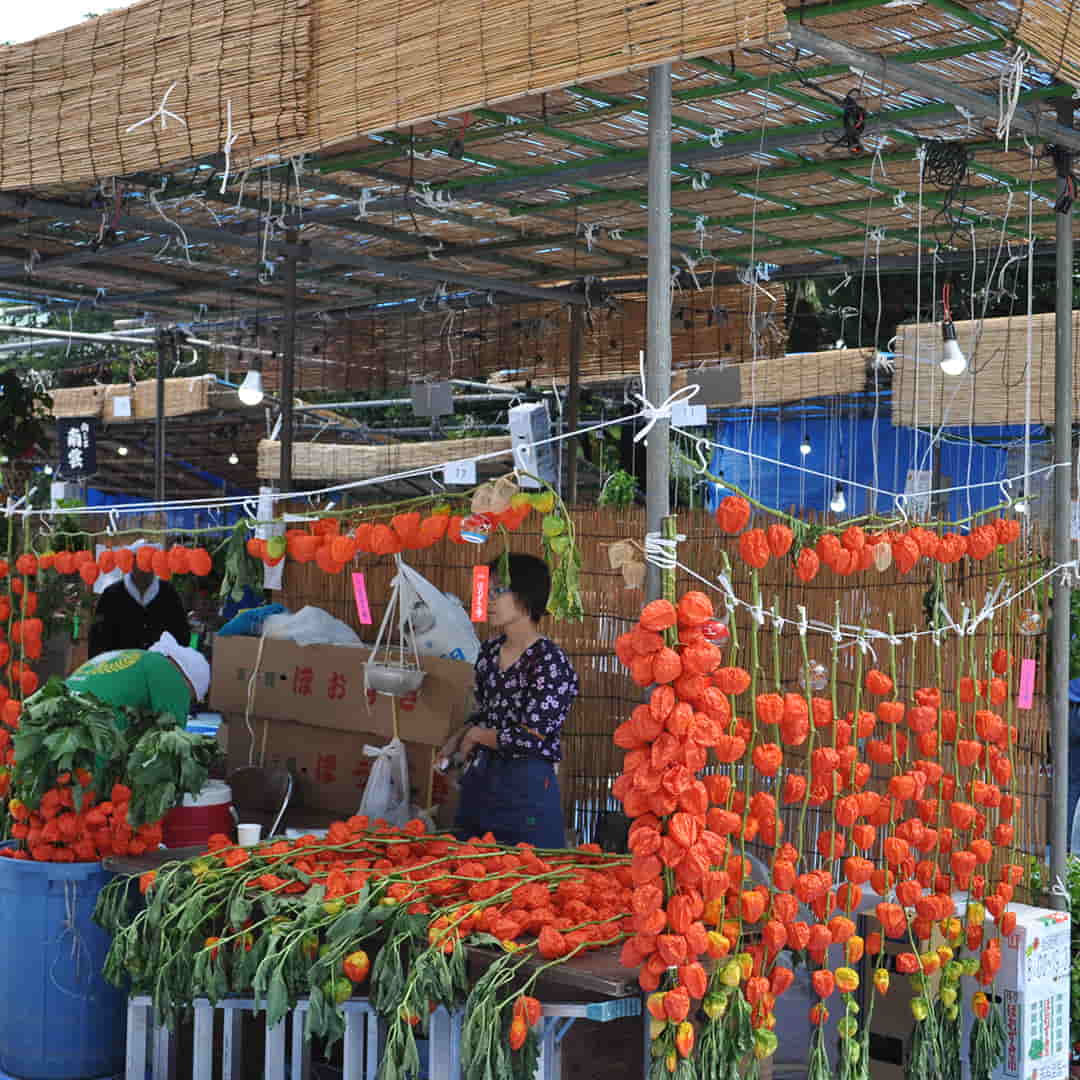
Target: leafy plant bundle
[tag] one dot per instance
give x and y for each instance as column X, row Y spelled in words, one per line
column 64, row 735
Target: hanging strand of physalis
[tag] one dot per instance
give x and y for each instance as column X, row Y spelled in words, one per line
column 925, row 1044
column 818, row 1066
column 848, row 894
column 740, row 1021
column 950, row 1023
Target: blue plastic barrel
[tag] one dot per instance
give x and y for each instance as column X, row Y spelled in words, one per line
column 59, row 1018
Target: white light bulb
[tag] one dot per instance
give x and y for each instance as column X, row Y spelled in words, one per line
column 234, row 459
column 250, row 391
column 122, row 451
column 838, row 504
column 47, row 470
column 804, row 446
column 953, row 361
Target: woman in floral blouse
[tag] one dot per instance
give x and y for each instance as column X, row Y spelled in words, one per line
column 525, row 686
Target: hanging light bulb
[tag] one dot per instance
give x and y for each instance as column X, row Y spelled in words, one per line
column 804, row 446
column 122, row 451
column 953, row 361
column 234, row 458
column 838, row 503
column 250, row 391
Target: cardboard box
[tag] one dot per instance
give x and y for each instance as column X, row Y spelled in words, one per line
column 323, row 686
column 1038, row 951
column 1036, row 1033
column 330, row 766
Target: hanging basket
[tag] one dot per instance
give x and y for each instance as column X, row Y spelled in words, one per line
column 394, row 680
column 394, row 668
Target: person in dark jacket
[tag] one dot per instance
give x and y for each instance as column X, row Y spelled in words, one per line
column 135, row 612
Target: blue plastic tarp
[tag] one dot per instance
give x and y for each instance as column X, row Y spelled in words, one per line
column 862, row 452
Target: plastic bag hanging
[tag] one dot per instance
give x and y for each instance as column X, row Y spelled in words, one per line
column 394, row 666
column 386, row 793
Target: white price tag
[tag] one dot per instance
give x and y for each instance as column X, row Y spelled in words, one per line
column 460, row 472
column 684, row 415
column 121, row 406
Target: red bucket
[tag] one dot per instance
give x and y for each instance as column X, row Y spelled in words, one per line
column 200, row 817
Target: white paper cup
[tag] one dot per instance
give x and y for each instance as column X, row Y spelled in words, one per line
column 248, row 835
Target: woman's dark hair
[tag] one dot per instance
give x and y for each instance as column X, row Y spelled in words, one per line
column 530, row 582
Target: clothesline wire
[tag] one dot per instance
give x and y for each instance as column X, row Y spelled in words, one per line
column 855, row 634
column 648, row 412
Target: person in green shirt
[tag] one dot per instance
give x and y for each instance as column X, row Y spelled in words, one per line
column 166, row 678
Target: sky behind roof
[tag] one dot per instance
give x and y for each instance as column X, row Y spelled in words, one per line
column 23, row 21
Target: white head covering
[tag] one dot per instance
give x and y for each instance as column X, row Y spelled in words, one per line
column 190, row 661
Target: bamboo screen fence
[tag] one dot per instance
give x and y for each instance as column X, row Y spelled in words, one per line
column 389, row 65
column 521, row 342
column 993, row 390
column 1053, row 27
column 300, row 75
column 607, row 693
column 341, row 461
column 69, row 98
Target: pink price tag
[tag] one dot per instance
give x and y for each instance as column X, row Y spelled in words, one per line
column 480, row 576
column 1027, row 684
column 363, row 609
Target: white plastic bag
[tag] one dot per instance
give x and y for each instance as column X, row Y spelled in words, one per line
column 440, row 625
column 310, row 626
column 386, row 793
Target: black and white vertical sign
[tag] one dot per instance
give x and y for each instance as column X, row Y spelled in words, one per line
column 76, row 440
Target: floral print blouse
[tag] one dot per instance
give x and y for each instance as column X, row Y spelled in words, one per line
column 535, row 692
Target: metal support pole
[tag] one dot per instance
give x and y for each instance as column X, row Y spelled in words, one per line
column 164, row 355
column 288, row 361
column 573, row 398
column 1063, row 421
column 658, row 339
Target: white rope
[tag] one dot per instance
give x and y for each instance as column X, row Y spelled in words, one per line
column 367, row 196
column 434, row 200
column 230, row 138
column 615, row 234
column 843, row 283
column 652, row 412
column 156, row 206
column 161, row 111
column 588, row 233
column 1010, row 83
column 701, row 181
column 716, row 139
column 661, row 551
column 224, row 502
column 692, row 265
